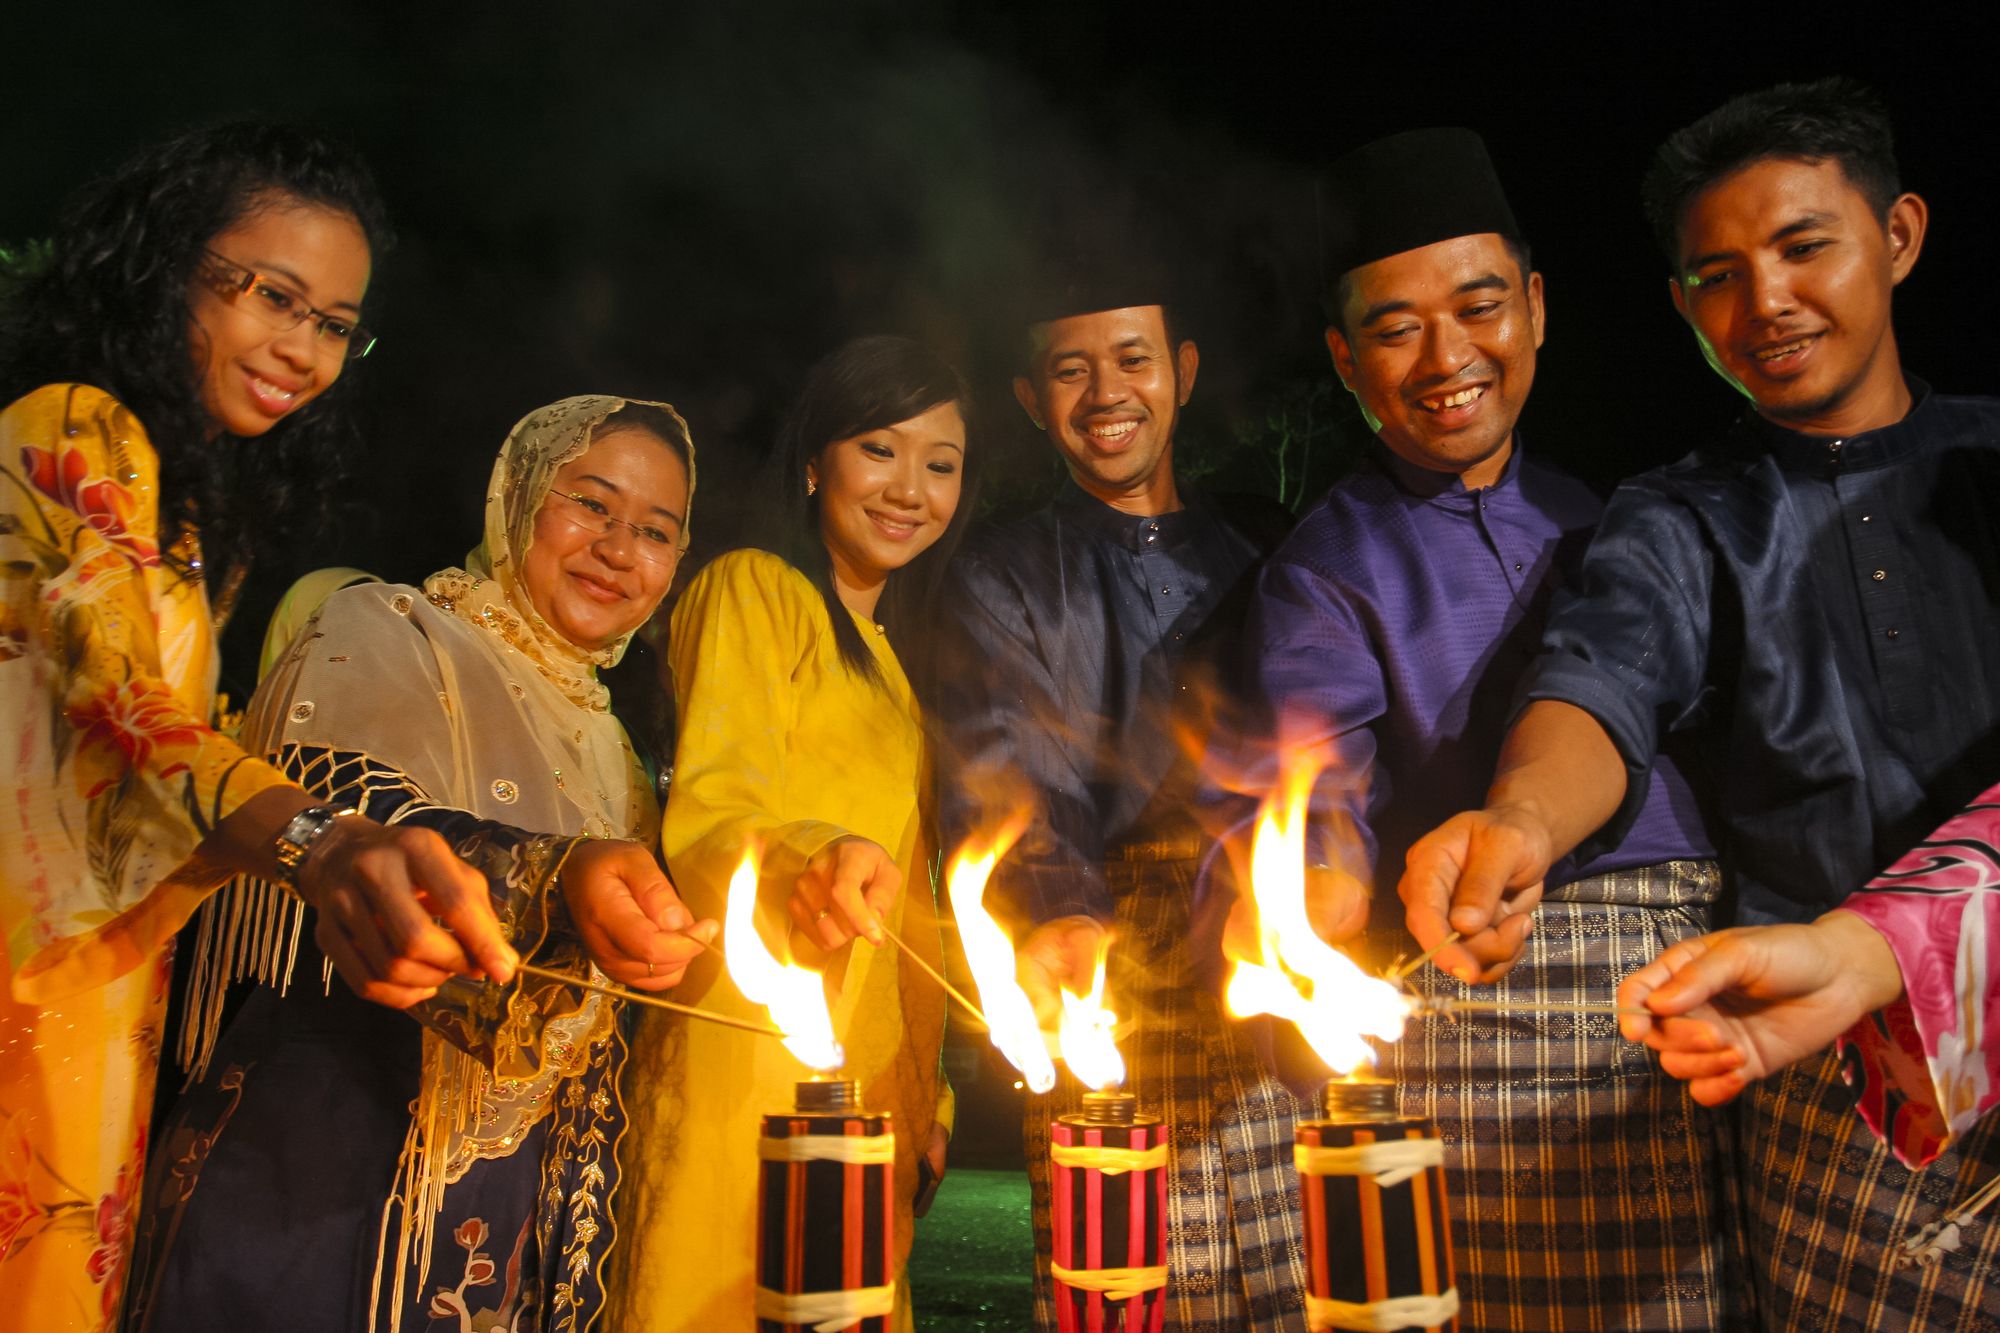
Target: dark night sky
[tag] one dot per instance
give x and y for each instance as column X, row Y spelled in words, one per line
column 693, row 203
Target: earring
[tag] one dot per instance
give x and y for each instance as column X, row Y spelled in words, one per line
column 811, row 485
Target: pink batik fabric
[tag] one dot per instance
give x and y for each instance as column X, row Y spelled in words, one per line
column 1928, row 1067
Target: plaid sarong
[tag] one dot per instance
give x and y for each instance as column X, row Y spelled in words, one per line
column 1587, row 1190
column 1829, row 1207
column 1235, row 1241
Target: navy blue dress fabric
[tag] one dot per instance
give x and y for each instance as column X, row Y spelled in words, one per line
column 265, row 1202
column 1820, row 615
column 1076, row 675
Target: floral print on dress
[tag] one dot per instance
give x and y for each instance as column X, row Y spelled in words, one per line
column 132, row 724
column 1928, row 1067
column 111, row 510
column 112, row 776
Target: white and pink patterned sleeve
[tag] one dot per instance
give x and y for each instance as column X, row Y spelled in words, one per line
column 1928, row 1067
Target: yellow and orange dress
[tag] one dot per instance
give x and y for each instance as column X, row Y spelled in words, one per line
column 784, row 748
column 110, row 775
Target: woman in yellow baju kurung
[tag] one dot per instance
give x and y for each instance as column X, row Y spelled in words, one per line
column 123, row 807
column 790, row 743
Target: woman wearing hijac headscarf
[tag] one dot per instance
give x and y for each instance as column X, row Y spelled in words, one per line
column 294, row 1181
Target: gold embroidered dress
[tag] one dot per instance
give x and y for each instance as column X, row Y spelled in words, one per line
column 456, row 707
column 112, row 775
column 783, row 746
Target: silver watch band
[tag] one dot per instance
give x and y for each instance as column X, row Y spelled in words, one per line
column 295, row 840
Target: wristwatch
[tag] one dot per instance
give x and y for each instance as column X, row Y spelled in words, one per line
column 297, row 837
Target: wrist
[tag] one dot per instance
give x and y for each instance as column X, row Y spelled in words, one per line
column 1865, row 958
column 303, row 839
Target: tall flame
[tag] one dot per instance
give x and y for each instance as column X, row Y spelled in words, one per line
column 1087, row 1032
column 794, row 995
column 1296, row 975
column 1011, row 1016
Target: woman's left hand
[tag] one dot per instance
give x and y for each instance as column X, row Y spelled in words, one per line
column 845, row 888
column 934, row 1155
column 628, row 915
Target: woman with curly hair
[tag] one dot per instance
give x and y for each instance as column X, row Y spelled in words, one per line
column 173, row 375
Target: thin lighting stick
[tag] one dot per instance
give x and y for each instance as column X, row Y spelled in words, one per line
column 937, row 976
column 1401, row 970
column 640, row 997
column 1447, row 1005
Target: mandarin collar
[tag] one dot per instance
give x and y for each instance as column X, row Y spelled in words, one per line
column 1129, row 530
column 1822, row 455
column 1447, row 488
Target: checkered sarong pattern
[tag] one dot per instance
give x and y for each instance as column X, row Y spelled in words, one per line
column 1829, row 1207
column 1587, row 1190
column 1235, row 1240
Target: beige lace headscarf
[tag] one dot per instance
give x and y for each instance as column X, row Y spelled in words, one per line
column 488, row 591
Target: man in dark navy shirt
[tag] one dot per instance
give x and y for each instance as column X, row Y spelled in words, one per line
column 1073, row 686
column 1390, row 632
column 1812, row 598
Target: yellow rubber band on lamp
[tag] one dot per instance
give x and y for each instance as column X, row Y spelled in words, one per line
column 826, row 1311
column 1111, row 1161
column 1118, row 1284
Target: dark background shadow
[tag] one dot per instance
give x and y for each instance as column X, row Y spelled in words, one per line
column 693, row 202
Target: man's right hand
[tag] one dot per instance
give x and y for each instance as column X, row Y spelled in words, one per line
column 376, row 890
column 1058, row 953
column 1480, row 874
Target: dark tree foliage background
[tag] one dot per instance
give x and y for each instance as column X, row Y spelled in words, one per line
column 692, row 202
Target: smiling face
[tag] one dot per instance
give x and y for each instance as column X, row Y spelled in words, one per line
column 1785, row 277
column 1438, row 345
column 1107, row 389
column 249, row 376
column 886, row 496
column 592, row 580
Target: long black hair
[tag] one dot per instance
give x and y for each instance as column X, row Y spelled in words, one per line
column 865, row 385
column 107, row 305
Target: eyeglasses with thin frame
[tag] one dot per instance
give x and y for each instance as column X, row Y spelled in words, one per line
column 282, row 309
column 655, row 545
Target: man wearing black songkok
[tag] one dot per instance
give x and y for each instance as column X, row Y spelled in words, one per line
column 1074, row 637
column 1812, row 597
column 1388, row 636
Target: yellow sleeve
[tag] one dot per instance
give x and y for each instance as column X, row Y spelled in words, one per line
column 743, row 634
column 118, row 771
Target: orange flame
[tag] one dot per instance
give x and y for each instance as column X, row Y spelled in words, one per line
column 990, row 955
column 1087, row 1032
column 795, row 995
column 1296, row 975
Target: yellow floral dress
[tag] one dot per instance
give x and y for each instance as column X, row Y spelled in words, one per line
column 781, row 745
column 112, row 775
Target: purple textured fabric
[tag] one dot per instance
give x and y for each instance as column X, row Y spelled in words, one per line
column 1394, row 627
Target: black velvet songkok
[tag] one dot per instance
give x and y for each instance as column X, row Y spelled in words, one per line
column 1410, row 190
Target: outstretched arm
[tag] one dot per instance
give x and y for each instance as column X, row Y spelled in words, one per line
column 1480, row 873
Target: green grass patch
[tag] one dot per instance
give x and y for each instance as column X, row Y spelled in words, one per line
column 972, row 1263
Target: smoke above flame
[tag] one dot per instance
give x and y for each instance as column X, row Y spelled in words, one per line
column 1291, row 972
column 796, row 996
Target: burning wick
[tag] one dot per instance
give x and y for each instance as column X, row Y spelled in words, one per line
column 796, row 996
column 1293, row 973
column 1009, row 1015
column 640, row 997
column 1087, row 1036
